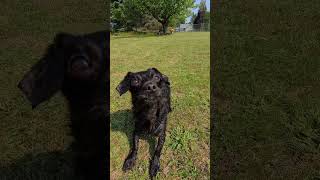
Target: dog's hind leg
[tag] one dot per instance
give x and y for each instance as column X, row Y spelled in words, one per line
column 131, row 159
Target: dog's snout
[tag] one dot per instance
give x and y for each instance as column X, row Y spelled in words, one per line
column 151, row 87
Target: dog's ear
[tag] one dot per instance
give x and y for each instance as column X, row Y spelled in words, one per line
column 164, row 77
column 154, row 69
column 46, row 77
column 124, row 85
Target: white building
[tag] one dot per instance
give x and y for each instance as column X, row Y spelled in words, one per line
column 185, row 28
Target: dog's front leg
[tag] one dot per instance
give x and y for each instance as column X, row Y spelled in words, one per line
column 155, row 162
column 131, row 159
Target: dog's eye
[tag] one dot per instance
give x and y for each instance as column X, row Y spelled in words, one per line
column 134, row 82
column 157, row 78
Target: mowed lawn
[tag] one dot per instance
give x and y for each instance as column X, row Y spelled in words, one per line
column 185, row 59
column 267, row 87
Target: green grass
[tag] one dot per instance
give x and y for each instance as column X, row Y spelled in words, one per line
column 266, row 81
column 33, row 143
column 184, row 58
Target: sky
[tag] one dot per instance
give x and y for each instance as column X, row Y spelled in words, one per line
column 195, row 10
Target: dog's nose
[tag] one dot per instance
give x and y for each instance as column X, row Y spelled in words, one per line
column 151, row 87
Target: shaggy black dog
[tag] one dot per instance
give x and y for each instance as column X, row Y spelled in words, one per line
column 78, row 65
column 150, row 92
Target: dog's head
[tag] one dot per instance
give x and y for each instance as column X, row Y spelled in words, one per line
column 145, row 84
column 69, row 57
column 82, row 58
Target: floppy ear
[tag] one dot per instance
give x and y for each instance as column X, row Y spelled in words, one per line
column 165, row 79
column 46, row 77
column 154, row 69
column 124, row 85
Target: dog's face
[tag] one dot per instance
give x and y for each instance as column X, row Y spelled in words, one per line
column 145, row 84
column 68, row 58
column 82, row 58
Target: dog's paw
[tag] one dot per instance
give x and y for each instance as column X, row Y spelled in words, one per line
column 154, row 167
column 129, row 163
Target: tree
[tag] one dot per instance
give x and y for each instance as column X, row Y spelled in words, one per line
column 203, row 15
column 206, row 18
column 203, row 6
column 165, row 11
column 150, row 23
column 193, row 17
column 177, row 20
column 125, row 15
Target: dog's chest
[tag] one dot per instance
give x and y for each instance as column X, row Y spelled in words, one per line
column 147, row 119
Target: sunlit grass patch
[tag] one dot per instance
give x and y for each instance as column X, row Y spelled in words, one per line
column 184, row 58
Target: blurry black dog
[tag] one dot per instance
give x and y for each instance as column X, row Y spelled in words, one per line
column 150, row 91
column 78, row 65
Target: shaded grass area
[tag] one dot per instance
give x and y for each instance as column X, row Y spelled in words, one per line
column 266, row 81
column 184, row 58
column 34, row 143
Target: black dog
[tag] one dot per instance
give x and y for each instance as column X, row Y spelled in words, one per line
column 78, row 66
column 150, row 92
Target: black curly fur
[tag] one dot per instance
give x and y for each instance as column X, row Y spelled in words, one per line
column 150, row 91
column 79, row 67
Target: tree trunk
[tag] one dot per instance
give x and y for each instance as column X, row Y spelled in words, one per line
column 164, row 28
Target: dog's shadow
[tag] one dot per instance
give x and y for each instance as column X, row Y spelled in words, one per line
column 123, row 121
column 59, row 165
